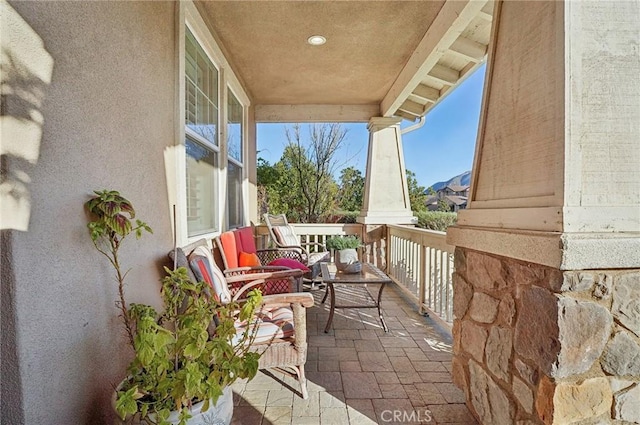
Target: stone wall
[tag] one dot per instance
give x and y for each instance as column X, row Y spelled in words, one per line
column 536, row 345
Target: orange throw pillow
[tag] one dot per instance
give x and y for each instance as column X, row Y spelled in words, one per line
column 246, row 259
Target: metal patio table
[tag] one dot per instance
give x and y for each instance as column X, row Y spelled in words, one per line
column 370, row 274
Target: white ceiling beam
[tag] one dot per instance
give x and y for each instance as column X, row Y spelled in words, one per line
column 316, row 113
column 452, row 19
column 412, row 107
column 406, row 115
column 444, row 74
column 427, row 93
column 469, row 49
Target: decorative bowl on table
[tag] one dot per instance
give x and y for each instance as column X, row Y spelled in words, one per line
column 352, row 268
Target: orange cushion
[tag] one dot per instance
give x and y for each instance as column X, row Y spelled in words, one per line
column 246, row 259
column 230, row 253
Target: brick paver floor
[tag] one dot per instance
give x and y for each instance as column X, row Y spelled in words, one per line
column 358, row 374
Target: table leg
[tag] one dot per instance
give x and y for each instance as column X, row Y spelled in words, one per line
column 326, row 292
column 332, row 307
column 384, row 325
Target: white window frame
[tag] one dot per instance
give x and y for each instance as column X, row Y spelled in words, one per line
column 189, row 17
column 242, row 164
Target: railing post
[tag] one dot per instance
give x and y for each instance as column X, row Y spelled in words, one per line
column 449, row 317
column 387, row 250
column 422, row 284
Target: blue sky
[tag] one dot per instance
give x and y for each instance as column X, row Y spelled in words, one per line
column 441, row 149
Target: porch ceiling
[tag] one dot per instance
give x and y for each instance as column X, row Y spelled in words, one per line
column 381, row 57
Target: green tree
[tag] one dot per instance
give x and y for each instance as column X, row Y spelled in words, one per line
column 304, row 187
column 351, row 189
column 443, row 206
column 417, row 196
column 268, row 177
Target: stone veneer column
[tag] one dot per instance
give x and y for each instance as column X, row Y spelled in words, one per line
column 547, row 264
column 386, row 195
column 534, row 344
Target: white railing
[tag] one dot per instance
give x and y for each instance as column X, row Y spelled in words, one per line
column 320, row 232
column 316, row 232
column 421, row 262
column 373, row 252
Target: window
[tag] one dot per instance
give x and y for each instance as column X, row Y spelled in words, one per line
column 234, row 188
column 235, row 117
column 202, row 165
column 201, row 83
column 215, row 117
column 201, row 142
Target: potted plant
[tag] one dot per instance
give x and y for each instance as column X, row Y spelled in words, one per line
column 184, row 359
column 345, row 254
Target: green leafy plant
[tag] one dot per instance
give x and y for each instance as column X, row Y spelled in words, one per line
column 111, row 224
column 191, row 351
column 183, row 356
column 343, row 242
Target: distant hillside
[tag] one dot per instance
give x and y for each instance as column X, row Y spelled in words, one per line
column 463, row 179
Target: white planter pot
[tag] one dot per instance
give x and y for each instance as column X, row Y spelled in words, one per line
column 219, row 414
column 347, row 261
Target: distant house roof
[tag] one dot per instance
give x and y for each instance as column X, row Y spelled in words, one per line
column 458, row 200
column 431, row 200
column 457, row 188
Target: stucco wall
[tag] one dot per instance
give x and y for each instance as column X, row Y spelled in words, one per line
column 108, row 116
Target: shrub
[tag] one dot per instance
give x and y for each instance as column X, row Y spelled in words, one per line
column 436, row 220
column 343, row 242
column 340, row 216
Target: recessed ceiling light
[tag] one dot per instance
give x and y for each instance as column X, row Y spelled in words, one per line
column 316, row 40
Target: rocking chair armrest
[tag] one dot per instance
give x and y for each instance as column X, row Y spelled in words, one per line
column 304, row 299
column 243, row 270
column 292, row 247
column 246, row 287
column 303, row 251
column 280, row 248
column 278, row 274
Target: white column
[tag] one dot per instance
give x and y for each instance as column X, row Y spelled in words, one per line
column 556, row 176
column 386, row 195
column 251, row 167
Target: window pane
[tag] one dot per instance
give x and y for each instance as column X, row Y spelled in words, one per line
column 203, row 72
column 190, row 59
column 201, row 91
column 234, row 197
column 202, row 111
column 201, row 188
column 191, row 94
column 234, row 127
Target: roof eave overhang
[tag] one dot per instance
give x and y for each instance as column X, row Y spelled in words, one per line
column 453, row 47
